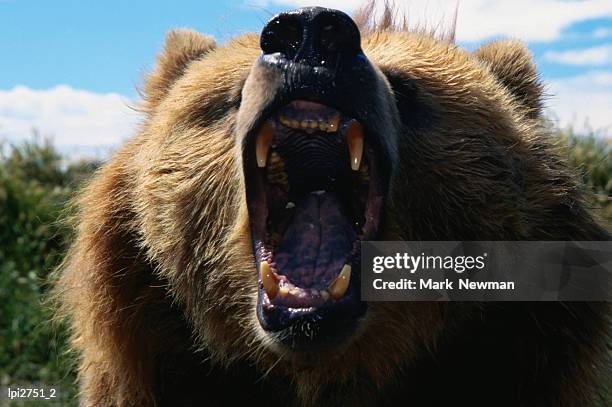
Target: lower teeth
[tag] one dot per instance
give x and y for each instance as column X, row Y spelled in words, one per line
column 274, row 287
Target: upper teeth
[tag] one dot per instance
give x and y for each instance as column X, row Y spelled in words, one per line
column 329, row 126
column 354, row 138
column 263, row 142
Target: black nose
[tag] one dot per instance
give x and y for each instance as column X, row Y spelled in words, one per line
column 313, row 35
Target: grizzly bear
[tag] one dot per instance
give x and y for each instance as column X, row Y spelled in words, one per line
column 217, row 253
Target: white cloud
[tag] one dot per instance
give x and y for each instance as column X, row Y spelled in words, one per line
column 79, row 122
column 587, row 97
column 601, row 55
column 84, row 123
column 541, row 20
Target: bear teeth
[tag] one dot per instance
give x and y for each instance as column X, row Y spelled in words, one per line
column 276, row 286
column 338, row 287
column 263, row 143
column 311, row 124
column 269, row 280
column 354, row 139
column 354, row 136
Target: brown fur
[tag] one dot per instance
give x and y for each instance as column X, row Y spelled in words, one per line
column 160, row 284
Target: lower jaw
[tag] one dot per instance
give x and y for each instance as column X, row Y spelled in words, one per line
column 306, row 331
column 318, row 323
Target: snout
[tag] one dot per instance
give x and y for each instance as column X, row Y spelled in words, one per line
column 316, row 55
column 315, row 129
column 313, row 36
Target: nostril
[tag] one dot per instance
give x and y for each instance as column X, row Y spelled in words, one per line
column 329, row 38
column 337, row 33
column 282, row 34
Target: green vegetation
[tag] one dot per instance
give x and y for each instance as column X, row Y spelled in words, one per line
column 592, row 156
column 35, row 185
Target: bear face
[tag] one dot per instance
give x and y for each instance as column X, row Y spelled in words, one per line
column 221, row 245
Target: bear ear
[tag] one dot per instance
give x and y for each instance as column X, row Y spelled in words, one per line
column 181, row 47
column 512, row 63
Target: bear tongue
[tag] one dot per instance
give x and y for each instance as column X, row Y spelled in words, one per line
column 316, row 243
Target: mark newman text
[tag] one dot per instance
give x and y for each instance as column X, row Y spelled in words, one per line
column 446, row 284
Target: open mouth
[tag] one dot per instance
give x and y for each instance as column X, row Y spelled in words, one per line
column 315, row 194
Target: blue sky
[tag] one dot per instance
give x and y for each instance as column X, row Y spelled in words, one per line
column 104, row 46
column 70, row 68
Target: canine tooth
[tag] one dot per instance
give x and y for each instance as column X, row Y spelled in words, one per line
column 263, row 143
column 338, row 287
column 283, row 291
column 354, row 138
column 322, row 126
column 324, row 294
column 268, row 279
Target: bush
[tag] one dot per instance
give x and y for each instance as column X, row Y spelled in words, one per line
column 35, row 185
column 591, row 154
